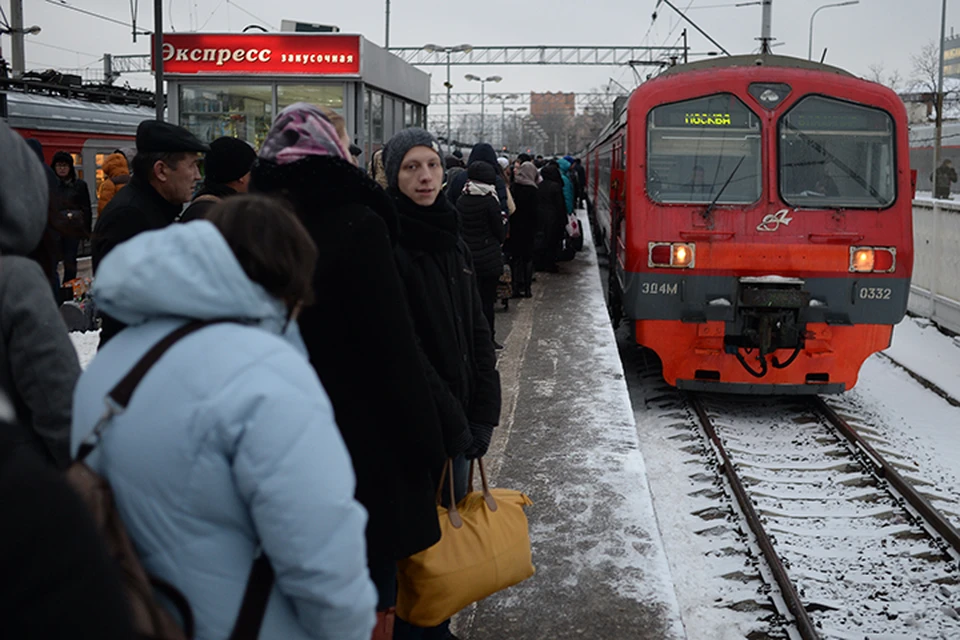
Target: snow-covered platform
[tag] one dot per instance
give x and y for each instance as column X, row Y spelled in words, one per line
column 568, row 439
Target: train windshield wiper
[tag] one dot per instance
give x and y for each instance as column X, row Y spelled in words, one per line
column 706, row 212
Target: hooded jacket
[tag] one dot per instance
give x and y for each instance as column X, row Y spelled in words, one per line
column 117, row 175
column 74, row 192
column 482, row 152
column 229, row 443
column 38, row 364
column 568, row 187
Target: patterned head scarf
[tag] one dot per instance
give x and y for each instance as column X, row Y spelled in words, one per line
column 301, row 131
column 527, row 174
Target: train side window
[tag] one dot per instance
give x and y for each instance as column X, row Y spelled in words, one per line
column 695, row 146
column 836, row 154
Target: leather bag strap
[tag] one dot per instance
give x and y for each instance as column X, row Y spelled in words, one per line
column 487, row 496
column 255, row 599
column 119, row 397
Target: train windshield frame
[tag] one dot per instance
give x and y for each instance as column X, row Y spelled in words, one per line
column 694, row 147
column 834, row 154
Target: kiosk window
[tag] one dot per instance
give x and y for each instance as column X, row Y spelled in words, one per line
column 695, row 146
column 240, row 111
column 376, row 117
column 836, row 154
column 330, row 96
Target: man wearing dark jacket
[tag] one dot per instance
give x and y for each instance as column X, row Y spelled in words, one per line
column 164, row 174
column 75, row 213
column 226, row 173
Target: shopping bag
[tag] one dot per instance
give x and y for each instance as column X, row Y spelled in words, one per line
column 484, row 547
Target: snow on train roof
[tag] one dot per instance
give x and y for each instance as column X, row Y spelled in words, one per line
column 756, row 60
column 32, row 111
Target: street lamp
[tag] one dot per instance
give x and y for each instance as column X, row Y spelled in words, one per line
column 483, row 83
column 465, row 48
column 503, row 107
column 814, row 15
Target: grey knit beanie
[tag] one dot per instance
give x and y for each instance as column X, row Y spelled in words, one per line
column 400, row 144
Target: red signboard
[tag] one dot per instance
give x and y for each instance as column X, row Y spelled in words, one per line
column 262, row 53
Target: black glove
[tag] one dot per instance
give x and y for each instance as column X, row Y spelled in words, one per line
column 481, row 440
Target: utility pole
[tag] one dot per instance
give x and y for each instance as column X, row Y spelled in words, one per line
column 16, row 37
column 938, row 139
column 386, row 37
column 686, row 48
column 158, row 55
column 766, row 27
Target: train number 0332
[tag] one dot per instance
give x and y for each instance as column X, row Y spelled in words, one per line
column 653, row 288
column 875, row 293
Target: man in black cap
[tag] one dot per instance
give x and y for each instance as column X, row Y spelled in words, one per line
column 226, row 173
column 164, row 174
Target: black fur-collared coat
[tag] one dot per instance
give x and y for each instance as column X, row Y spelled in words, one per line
column 361, row 341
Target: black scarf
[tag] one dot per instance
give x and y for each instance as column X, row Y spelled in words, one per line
column 432, row 228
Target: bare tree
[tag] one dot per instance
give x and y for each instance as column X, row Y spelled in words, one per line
column 926, row 68
column 878, row 73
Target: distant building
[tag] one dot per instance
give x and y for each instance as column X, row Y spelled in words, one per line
column 545, row 106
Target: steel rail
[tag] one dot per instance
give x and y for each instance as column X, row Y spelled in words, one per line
column 788, row 591
column 886, row 471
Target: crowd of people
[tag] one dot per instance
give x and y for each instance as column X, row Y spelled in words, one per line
column 345, row 353
column 514, row 216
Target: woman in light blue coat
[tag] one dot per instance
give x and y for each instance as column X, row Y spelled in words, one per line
column 229, row 443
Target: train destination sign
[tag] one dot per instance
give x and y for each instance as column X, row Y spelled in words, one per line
column 260, row 53
column 717, row 111
column 708, row 119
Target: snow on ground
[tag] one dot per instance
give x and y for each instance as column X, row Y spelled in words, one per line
column 86, row 345
column 914, row 421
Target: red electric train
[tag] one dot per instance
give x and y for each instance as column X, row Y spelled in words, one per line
column 757, row 214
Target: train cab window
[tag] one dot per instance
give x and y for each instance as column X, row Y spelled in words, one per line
column 699, row 149
column 836, row 154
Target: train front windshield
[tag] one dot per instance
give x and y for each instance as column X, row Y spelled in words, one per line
column 835, row 154
column 700, row 148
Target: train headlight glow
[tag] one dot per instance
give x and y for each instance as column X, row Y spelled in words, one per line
column 679, row 255
column 861, row 260
column 682, row 255
column 873, row 259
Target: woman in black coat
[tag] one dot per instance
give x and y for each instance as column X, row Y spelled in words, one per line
column 482, row 227
column 359, row 334
column 523, row 227
column 551, row 219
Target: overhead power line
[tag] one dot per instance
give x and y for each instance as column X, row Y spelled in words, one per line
column 63, row 4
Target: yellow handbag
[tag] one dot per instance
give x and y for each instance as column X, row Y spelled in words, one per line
column 484, row 547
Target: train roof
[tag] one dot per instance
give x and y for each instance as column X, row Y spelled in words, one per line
column 757, row 60
column 36, row 111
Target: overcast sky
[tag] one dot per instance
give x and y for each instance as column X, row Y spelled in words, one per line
column 885, row 32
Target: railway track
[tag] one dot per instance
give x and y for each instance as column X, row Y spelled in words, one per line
column 853, row 550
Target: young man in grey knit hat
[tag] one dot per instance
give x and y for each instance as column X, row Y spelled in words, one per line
column 438, row 275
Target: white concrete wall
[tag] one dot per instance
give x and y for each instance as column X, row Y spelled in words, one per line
column 935, row 289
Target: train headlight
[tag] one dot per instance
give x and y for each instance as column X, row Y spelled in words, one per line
column 861, row 260
column 873, row 259
column 679, row 255
column 682, row 255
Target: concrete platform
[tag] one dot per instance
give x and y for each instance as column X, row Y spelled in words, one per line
column 568, row 439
